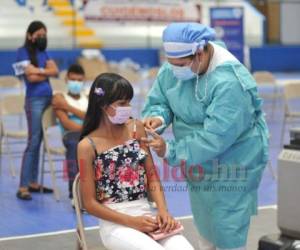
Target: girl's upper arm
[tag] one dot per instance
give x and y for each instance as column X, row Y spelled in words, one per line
column 85, row 157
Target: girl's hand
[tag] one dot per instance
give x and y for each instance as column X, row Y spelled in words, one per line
column 165, row 221
column 145, row 224
column 157, row 143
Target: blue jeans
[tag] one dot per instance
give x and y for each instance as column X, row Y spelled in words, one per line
column 34, row 108
column 70, row 140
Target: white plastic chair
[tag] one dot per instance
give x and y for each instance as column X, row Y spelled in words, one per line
column 58, row 85
column 48, row 121
column 11, row 105
column 78, row 203
column 266, row 78
column 9, row 82
column 291, row 92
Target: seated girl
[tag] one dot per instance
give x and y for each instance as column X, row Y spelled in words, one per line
column 117, row 172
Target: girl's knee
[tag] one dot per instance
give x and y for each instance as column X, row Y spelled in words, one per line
column 176, row 242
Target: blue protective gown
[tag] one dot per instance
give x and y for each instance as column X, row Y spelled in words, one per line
column 222, row 139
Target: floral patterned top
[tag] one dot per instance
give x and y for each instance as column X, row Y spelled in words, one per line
column 120, row 173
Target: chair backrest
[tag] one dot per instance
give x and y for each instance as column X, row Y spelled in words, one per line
column 264, row 77
column 92, row 67
column 63, row 74
column 48, row 120
column 12, row 105
column 78, row 208
column 291, row 91
column 10, row 82
column 58, row 85
column 132, row 76
column 77, row 193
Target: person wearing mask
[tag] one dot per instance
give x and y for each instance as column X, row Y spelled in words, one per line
column 70, row 110
column 117, row 173
column 38, row 67
column 221, row 137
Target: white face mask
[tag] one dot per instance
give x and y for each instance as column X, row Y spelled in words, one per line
column 122, row 115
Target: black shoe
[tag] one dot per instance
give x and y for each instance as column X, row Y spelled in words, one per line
column 24, row 195
column 40, row 189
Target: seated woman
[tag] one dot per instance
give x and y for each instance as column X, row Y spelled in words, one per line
column 117, row 172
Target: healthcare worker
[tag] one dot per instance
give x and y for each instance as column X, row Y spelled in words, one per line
column 220, row 135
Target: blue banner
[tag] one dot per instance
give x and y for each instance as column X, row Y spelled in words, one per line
column 228, row 23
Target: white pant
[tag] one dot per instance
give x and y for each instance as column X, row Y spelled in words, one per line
column 118, row 237
column 206, row 245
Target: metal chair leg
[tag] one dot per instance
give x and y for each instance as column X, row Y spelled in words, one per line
column 283, row 131
column 274, row 175
column 1, row 137
column 274, row 100
column 10, row 161
column 53, row 177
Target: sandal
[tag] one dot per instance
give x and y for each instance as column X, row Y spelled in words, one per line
column 24, row 195
column 40, row 189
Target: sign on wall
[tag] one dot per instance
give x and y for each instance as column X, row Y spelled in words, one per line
column 142, row 11
column 228, row 23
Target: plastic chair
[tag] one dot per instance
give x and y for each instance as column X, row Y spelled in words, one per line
column 291, row 92
column 78, row 203
column 266, row 78
column 58, row 85
column 10, row 82
column 48, row 121
column 79, row 208
column 93, row 67
column 63, row 74
column 11, row 105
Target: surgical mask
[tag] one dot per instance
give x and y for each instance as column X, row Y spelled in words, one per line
column 74, row 87
column 122, row 115
column 183, row 72
column 41, row 43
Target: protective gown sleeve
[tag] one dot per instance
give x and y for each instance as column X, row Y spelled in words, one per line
column 156, row 104
column 227, row 117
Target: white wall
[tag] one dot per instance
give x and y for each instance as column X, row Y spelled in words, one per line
column 290, row 20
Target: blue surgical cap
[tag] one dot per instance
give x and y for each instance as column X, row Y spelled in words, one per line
column 184, row 39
